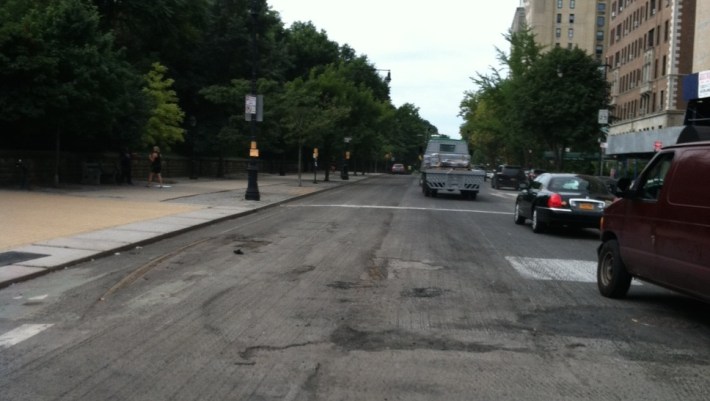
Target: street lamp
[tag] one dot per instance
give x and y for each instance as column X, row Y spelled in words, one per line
column 252, row 168
column 388, row 78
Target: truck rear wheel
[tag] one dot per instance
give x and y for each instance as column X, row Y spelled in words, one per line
column 469, row 194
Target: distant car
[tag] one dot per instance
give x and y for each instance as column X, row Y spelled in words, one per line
column 508, row 176
column 534, row 173
column 398, row 168
column 572, row 200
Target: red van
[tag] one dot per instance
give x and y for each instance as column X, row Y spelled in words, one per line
column 659, row 230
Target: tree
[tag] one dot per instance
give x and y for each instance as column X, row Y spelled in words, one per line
column 60, row 74
column 558, row 102
column 163, row 125
column 547, row 101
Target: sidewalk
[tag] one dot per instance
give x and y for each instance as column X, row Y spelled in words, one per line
column 46, row 229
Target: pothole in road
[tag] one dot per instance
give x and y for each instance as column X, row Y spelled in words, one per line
column 388, row 268
column 351, row 339
column 423, row 292
column 347, row 285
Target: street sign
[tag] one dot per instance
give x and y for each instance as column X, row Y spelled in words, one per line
column 254, row 107
column 249, row 105
column 603, row 117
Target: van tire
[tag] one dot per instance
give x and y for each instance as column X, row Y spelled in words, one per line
column 613, row 279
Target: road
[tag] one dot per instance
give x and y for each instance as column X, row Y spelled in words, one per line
column 370, row 291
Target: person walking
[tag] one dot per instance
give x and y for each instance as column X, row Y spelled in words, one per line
column 156, row 166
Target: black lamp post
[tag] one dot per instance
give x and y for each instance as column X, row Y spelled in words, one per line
column 252, row 168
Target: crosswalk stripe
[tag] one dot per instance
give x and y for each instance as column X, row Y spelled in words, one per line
column 582, row 271
column 555, row 269
column 21, row 333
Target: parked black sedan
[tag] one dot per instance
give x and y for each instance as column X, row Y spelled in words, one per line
column 553, row 199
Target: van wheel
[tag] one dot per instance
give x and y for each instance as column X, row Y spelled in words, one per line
column 426, row 190
column 613, row 279
column 537, row 226
column 517, row 217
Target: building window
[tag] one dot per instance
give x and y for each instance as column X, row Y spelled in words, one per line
column 559, row 3
column 559, row 18
column 667, row 32
column 558, row 32
column 571, row 4
column 571, row 18
column 600, row 35
column 601, row 8
column 663, row 67
column 570, row 33
column 662, row 105
column 601, row 21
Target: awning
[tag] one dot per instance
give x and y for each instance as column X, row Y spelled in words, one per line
column 643, row 142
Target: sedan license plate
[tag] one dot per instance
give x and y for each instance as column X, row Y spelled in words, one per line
column 586, row 206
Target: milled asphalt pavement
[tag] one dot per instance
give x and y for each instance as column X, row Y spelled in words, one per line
column 46, row 229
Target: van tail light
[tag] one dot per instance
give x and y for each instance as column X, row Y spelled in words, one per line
column 554, row 201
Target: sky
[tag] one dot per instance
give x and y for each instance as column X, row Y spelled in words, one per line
column 431, row 50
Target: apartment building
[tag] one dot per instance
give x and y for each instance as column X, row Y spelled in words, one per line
column 569, row 24
column 701, row 52
column 650, row 51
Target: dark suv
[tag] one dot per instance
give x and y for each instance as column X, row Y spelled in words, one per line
column 508, row 176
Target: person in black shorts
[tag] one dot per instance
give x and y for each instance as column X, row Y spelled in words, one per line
column 156, row 165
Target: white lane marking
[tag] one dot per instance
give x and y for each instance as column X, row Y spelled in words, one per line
column 21, row 333
column 38, row 298
column 582, row 271
column 403, row 208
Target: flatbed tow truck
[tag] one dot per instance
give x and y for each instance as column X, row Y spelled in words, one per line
column 446, row 168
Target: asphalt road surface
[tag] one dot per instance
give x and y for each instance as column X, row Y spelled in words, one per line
column 370, row 291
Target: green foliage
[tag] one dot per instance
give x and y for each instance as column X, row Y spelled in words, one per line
column 75, row 67
column 163, row 125
column 59, row 72
column 547, row 102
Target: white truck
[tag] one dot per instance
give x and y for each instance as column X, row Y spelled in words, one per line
column 446, row 168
